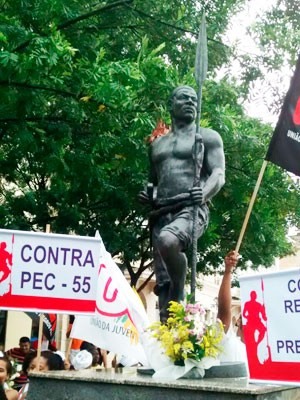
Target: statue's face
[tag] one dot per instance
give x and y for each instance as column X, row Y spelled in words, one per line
column 184, row 104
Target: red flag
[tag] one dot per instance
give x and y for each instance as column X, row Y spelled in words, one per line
column 284, row 149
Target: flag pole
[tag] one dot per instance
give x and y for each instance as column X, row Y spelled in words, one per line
column 41, row 323
column 250, row 207
column 68, row 352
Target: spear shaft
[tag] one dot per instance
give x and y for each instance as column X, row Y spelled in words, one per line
column 201, row 62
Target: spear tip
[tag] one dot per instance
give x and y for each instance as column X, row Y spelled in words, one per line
column 201, row 61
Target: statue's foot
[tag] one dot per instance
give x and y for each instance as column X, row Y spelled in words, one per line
column 163, row 316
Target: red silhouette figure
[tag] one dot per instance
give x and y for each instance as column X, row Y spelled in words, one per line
column 5, row 261
column 254, row 312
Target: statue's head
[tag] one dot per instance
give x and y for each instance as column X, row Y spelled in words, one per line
column 183, row 103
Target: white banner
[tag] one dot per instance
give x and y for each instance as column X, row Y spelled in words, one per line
column 120, row 316
column 48, row 272
column 271, row 324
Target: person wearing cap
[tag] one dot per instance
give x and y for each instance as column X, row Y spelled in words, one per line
column 99, row 355
column 82, row 360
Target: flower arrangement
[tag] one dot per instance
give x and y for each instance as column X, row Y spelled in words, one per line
column 16, row 368
column 186, row 334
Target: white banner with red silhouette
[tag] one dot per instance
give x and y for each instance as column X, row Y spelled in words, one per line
column 271, row 325
column 120, row 317
column 48, row 272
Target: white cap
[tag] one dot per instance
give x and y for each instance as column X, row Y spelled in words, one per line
column 82, row 360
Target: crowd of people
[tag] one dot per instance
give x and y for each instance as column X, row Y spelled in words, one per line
column 17, row 363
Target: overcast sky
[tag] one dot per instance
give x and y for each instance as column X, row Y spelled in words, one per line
column 237, row 35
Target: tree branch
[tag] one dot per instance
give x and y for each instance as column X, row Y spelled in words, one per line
column 73, row 21
column 178, row 28
column 132, row 275
column 93, row 13
column 53, row 90
column 38, row 87
column 34, row 119
column 145, row 283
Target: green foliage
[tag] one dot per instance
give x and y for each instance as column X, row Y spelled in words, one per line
column 82, row 85
column 245, row 142
column 277, row 36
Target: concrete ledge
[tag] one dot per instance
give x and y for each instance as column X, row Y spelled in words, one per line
column 110, row 385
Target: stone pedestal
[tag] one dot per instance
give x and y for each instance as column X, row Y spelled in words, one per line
column 128, row 385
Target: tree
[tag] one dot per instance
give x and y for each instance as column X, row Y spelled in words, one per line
column 245, row 142
column 82, row 86
column 266, row 74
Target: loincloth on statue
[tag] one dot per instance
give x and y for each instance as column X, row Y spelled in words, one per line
column 180, row 224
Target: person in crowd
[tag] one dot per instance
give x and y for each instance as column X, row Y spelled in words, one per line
column 82, row 360
column 2, row 393
column 74, row 344
column 17, row 354
column 6, row 371
column 233, row 345
column 99, row 355
column 48, row 361
column 122, row 361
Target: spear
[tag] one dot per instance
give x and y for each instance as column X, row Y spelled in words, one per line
column 200, row 75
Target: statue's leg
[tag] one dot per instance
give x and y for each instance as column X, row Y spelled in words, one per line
column 173, row 240
column 162, row 287
column 175, row 260
column 171, row 236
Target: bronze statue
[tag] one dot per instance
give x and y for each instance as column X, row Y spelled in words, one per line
column 172, row 166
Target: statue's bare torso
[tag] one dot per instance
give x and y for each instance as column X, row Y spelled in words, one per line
column 173, row 165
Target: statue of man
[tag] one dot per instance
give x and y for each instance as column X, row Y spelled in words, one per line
column 172, row 170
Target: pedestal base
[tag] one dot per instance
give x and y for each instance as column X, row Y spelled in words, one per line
column 109, row 385
column 224, row 370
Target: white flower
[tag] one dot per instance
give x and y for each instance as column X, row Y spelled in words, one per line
column 19, row 367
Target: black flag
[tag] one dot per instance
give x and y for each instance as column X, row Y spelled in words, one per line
column 49, row 323
column 284, row 149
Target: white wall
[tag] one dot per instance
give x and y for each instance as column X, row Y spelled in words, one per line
column 18, row 324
